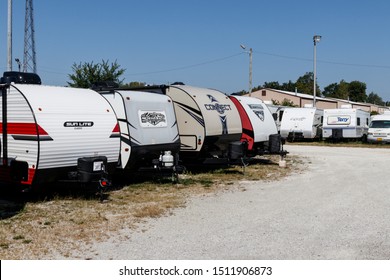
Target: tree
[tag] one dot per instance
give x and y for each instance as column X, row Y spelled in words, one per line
column 134, row 85
column 289, row 86
column 337, row 90
column 330, row 90
column 374, row 98
column 343, row 90
column 357, row 91
column 285, row 102
column 305, row 84
column 87, row 73
column 273, row 85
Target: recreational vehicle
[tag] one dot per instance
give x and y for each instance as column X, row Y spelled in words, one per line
column 259, row 129
column 379, row 129
column 54, row 133
column 301, row 124
column 209, row 123
column 277, row 113
column 345, row 123
column 148, row 128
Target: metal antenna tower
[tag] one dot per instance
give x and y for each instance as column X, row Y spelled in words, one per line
column 29, row 58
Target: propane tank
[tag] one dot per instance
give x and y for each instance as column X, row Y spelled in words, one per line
column 167, row 159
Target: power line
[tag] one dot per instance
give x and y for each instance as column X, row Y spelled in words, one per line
column 188, row 66
column 54, row 71
column 325, row 61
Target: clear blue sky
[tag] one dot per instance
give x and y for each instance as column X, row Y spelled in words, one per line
column 198, row 41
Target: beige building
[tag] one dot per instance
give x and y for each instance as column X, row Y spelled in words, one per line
column 300, row 100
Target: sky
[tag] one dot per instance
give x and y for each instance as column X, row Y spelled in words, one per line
column 197, row 42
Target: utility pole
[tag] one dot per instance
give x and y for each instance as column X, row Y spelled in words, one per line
column 250, row 71
column 29, row 57
column 316, row 39
column 9, row 37
column 250, row 52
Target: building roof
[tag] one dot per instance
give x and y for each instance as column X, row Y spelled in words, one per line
column 327, row 99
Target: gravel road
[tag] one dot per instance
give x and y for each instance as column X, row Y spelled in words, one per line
column 338, row 208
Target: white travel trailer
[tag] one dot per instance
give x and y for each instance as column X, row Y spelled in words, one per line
column 209, row 123
column 379, row 129
column 277, row 113
column 148, row 127
column 259, row 129
column 345, row 123
column 301, row 123
column 54, row 133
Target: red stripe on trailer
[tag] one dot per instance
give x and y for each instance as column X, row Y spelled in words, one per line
column 247, row 128
column 116, row 129
column 115, row 132
column 24, row 129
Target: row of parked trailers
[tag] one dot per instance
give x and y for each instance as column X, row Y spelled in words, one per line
column 331, row 124
column 51, row 134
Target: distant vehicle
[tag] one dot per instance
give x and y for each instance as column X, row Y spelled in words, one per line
column 301, row 124
column 259, row 129
column 148, row 128
column 379, row 128
column 52, row 133
column 277, row 114
column 345, row 123
column 209, row 123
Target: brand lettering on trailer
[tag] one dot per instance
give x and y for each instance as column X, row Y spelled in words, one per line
column 342, row 119
column 220, row 108
column 258, row 110
column 298, row 119
column 339, row 119
column 78, row 124
column 153, row 118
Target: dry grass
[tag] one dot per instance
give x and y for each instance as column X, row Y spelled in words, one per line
column 59, row 223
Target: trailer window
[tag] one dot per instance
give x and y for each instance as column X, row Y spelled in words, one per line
column 358, row 121
column 281, row 115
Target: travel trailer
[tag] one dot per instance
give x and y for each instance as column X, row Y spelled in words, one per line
column 345, row 123
column 148, row 128
column 277, row 113
column 209, row 123
column 54, row 133
column 259, row 129
column 379, row 128
column 301, row 123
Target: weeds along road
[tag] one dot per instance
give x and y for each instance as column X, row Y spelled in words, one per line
column 338, row 208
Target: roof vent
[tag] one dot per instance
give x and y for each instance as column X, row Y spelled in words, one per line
column 20, row 78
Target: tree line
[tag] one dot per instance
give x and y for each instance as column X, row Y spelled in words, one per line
column 353, row 91
column 88, row 73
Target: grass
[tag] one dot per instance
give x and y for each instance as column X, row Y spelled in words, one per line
column 59, row 223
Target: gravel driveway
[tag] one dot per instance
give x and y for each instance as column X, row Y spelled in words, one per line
column 338, row 208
